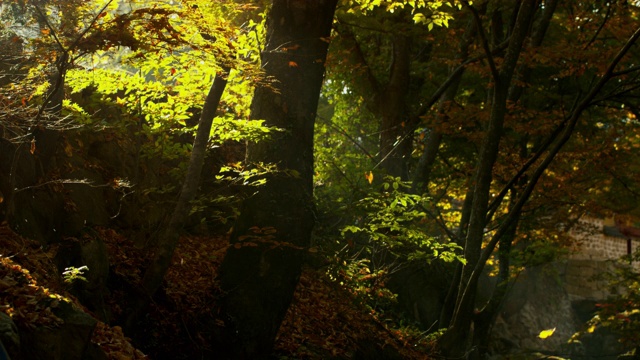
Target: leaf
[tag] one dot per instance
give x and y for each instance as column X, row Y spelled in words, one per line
column 293, row 64
column 32, row 150
column 369, row 176
column 546, row 333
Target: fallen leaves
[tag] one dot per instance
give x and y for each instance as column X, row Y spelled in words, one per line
column 114, row 343
column 28, row 303
column 190, row 281
column 324, row 320
column 29, row 296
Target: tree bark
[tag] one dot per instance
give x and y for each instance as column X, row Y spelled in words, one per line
column 261, row 268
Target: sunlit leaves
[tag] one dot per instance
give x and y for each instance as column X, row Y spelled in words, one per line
column 430, row 13
column 394, row 219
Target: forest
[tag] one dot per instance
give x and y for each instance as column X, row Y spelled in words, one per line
column 318, row 179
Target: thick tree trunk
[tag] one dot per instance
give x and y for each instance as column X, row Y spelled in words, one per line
column 261, row 269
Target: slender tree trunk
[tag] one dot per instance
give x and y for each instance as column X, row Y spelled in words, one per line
column 170, row 235
column 485, row 318
column 462, row 319
column 261, row 269
column 458, row 332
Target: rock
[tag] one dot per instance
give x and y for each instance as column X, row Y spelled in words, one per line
column 370, row 350
column 421, row 291
column 9, row 337
column 94, row 255
column 95, row 352
column 87, row 197
column 70, row 341
column 537, row 302
column 91, row 252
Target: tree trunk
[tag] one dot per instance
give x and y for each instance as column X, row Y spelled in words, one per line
column 462, row 319
column 170, row 235
column 387, row 100
column 261, row 269
column 395, row 130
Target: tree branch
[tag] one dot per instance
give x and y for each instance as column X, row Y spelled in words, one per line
column 483, row 40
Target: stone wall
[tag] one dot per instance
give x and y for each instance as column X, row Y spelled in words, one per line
column 599, row 240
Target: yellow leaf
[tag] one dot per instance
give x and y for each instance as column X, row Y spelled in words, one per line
column 591, row 329
column 546, row 333
column 369, row 176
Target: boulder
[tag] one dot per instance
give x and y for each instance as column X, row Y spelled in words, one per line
column 9, row 338
column 69, row 341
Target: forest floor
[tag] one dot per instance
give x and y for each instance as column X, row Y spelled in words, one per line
column 324, row 321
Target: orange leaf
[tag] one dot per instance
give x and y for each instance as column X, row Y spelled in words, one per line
column 32, row 150
column 293, row 64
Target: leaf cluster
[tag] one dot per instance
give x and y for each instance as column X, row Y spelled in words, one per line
column 394, row 219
